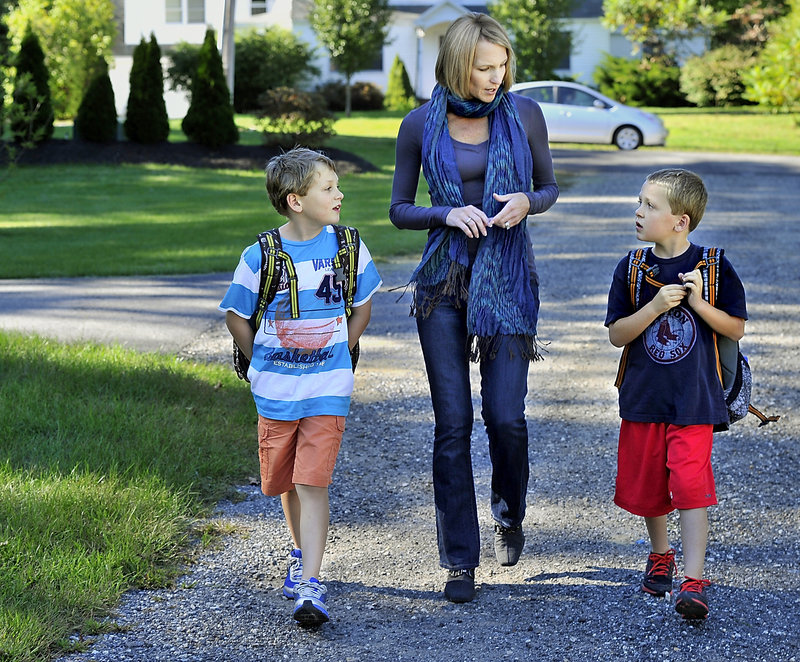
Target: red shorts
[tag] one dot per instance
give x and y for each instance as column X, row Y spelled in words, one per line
column 661, row 467
column 303, row 452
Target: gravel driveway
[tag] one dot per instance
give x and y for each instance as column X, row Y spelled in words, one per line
column 574, row 595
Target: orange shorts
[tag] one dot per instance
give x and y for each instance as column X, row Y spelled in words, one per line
column 303, row 452
column 661, row 467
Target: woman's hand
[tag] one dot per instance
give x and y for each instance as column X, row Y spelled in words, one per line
column 513, row 212
column 470, row 220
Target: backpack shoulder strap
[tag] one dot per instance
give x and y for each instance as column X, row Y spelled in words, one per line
column 345, row 263
column 274, row 262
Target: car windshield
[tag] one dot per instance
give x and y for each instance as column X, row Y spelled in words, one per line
column 540, row 94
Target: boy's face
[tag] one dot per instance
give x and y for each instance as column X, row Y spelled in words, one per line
column 655, row 221
column 323, row 201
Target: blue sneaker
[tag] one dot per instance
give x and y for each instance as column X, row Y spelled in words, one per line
column 309, row 606
column 294, row 575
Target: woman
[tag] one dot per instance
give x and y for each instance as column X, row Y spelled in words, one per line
column 476, row 289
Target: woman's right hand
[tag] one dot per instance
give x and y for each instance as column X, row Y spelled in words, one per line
column 470, row 220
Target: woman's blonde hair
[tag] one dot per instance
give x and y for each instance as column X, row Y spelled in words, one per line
column 454, row 63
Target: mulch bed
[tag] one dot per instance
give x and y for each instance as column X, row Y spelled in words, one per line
column 237, row 157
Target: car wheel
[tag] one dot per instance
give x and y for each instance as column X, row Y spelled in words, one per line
column 627, row 137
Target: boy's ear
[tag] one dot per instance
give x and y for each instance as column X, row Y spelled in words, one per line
column 293, row 203
column 682, row 223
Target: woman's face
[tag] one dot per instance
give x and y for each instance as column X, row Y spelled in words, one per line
column 488, row 71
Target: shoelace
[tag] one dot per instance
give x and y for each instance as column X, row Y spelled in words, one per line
column 693, row 585
column 296, row 569
column 305, row 587
column 663, row 564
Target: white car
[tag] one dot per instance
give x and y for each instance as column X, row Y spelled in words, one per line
column 578, row 114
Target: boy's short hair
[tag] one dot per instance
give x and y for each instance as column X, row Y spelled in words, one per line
column 686, row 192
column 457, row 52
column 292, row 172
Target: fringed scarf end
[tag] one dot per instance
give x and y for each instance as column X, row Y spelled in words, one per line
column 483, row 347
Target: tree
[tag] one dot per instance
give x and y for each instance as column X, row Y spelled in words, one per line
column 775, row 80
column 75, row 35
column 97, row 115
column 209, row 120
column 289, row 64
column 659, row 27
column 353, row 31
column 535, row 29
column 146, row 120
column 399, row 93
column 32, row 110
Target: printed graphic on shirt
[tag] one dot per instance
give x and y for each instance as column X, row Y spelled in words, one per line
column 671, row 336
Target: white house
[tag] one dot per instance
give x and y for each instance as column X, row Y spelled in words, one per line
column 415, row 32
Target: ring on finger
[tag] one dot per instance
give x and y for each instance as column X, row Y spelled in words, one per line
column 508, row 225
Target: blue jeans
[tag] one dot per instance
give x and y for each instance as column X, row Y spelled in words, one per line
column 504, row 385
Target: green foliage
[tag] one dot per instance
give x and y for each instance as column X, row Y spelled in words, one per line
column 209, row 120
column 715, row 78
column 363, row 96
column 659, row 27
column 97, row 115
column 183, row 66
column 639, row 82
column 399, row 93
column 146, row 121
column 290, row 117
column 775, row 79
column 32, row 116
column 353, row 31
column 746, row 25
column 288, row 63
column 540, row 44
column 75, row 36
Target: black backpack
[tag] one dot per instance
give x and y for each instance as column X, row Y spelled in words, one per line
column 275, row 262
column 733, row 368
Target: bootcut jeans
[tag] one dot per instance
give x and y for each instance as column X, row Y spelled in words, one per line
column 504, row 385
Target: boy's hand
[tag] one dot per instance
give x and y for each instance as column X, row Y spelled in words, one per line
column 693, row 282
column 668, row 297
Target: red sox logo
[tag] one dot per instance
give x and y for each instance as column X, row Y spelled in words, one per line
column 671, row 336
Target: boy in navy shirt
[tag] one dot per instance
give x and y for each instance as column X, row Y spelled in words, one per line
column 671, row 397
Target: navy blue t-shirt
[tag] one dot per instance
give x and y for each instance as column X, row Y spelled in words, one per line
column 671, row 374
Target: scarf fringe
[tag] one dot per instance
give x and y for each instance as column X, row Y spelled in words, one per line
column 455, row 287
column 482, row 347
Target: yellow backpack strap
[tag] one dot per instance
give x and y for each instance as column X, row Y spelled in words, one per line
column 274, row 261
column 345, row 264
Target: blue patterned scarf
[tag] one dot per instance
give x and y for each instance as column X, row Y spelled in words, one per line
column 498, row 293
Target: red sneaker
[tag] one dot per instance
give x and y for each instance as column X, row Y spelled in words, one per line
column 691, row 602
column 658, row 573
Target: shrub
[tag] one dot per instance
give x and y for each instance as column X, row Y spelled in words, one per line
column 399, row 93
column 183, row 66
column 266, row 59
column 32, row 108
column 209, row 120
column 290, row 117
column 639, row 82
column 146, row 120
column 97, row 115
column 364, row 96
column 715, row 78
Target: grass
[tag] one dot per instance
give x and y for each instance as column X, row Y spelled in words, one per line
column 139, row 219
column 98, row 489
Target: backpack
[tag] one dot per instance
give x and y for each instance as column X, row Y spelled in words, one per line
column 275, row 263
column 733, row 368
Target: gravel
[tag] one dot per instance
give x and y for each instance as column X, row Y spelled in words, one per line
column 574, row 595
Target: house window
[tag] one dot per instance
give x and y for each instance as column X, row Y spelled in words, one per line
column 185, row 11
column 258, row 7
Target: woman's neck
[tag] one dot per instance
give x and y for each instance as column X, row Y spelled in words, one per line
column 469, row 130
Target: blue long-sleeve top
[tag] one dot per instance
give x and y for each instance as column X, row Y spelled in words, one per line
column 471, row 161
